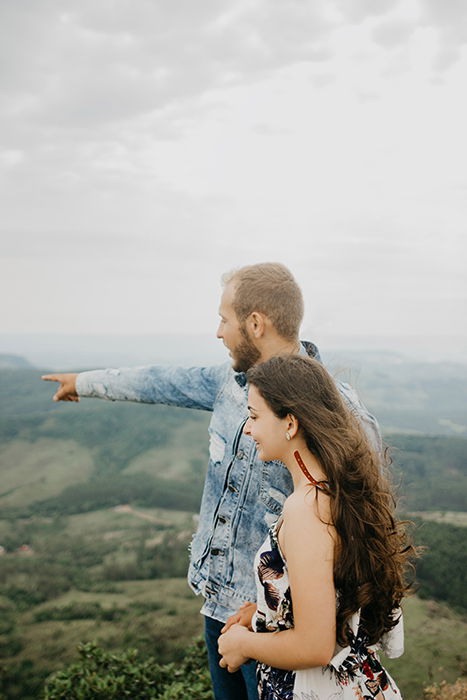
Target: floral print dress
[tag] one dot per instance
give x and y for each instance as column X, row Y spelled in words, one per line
column 353, row 672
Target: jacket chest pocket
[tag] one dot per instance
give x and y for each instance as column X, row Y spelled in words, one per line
column 276, row 484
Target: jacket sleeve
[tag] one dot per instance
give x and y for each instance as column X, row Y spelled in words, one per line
column 368, row 421
column 189, row 387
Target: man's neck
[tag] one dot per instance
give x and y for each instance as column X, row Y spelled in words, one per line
column 279, row 346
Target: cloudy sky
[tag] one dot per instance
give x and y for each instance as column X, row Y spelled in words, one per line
column 146, row 147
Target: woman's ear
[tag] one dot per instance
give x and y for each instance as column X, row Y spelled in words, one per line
column 292, row 425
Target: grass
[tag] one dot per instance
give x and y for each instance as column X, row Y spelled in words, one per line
column 435, row 643
column 160, row 617
column 442, row 516
column 436, row 638
column 174, row 460
column 163, row 631
column 42, row 469
column 105, row 521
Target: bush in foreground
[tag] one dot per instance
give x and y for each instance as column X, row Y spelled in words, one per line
column 100, row 675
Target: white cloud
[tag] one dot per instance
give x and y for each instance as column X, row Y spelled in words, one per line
column 450, row 21
column 149, row 148
column 360, row 10
column 90, row 64
column 393, row 34
column 11, row 157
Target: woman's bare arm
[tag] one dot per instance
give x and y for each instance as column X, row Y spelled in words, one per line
column 308, row 545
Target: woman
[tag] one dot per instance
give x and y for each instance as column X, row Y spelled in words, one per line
column 330, row 575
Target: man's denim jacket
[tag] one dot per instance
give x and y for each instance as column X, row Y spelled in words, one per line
column 242, row 496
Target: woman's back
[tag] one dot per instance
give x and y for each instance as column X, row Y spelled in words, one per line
column 353, row 672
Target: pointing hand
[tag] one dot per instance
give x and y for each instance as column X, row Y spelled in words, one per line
column 67, row 389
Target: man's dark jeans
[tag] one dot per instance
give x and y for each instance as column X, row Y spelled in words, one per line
column 240, row 685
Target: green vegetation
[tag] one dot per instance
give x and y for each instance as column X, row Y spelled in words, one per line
column 435, row 644
column 100, row 675
column 435, row 640
column 29, row 475
column 98, row 504
column 441, row 570
column 159, row 618
column 432, row 471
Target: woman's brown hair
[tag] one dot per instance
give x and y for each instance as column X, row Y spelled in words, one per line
column 373, row 549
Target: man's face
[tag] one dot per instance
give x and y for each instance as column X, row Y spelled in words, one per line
column 241, row 347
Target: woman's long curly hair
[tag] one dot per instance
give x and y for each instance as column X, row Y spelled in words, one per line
column 373, row 549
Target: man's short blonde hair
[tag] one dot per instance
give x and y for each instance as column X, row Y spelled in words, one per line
column 271, row 289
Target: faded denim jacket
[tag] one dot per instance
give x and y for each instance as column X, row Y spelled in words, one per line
column 242, row 496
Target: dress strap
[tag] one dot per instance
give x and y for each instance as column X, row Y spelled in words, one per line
column 321, row 485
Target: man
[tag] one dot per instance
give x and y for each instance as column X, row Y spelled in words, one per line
column 261, row 311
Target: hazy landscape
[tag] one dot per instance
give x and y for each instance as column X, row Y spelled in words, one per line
column 146, row 149
column 98, row 503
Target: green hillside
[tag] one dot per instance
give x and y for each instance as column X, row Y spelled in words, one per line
column 98, row 504
column 161, row 617
column 48, row 448
column 38, row 470
column 435, row 648
column 431, row 471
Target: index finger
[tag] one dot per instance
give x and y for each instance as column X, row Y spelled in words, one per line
column 50, row 377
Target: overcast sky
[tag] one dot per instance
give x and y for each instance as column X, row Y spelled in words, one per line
column 146, row 147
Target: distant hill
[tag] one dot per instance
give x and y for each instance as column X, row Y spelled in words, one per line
column 66, row 352
column 13, row 362
column 407, row 395
column 44, row 442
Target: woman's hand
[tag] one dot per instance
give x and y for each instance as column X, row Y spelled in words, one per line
column 243, row 617
column 230, row 645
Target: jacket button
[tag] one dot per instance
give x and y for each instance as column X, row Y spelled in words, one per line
column 240, row 454
column 222, row 519
column 215, row 551
column 231, row 487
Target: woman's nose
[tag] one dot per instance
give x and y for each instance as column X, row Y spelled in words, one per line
column 246, row 427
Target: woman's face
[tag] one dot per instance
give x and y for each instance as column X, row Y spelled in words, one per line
column 266, row 429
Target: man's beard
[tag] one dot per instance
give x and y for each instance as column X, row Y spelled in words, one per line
column 245, row 354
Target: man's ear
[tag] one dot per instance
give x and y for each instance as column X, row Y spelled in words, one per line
column 292, row 425
column 256, row 323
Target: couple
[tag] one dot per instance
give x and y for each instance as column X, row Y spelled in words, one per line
column 329, row 574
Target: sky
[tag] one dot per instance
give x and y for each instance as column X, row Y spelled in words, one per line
column 147, row 147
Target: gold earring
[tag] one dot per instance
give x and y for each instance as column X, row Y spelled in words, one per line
column 287, row 436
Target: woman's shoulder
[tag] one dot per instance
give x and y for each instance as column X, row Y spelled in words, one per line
column 307, row 499
column 307, row 508
column 296, row 501
column 305, row 519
